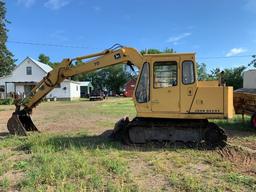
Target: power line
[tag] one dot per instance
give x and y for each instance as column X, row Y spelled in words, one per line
column 84, row 47
column 46, row 44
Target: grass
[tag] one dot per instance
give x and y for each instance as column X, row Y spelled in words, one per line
column 236, row 123
column 4, row 183
column 80, row 160
column 64, row 163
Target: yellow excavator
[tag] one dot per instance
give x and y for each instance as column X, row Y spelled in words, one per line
column 171, row 104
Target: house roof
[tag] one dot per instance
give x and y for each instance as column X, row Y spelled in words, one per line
column 85, row 83
column 251, row 70
column 71, row 81
column 43, row 66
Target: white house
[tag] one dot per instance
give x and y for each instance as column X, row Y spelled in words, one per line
column 28, row 73
column 249, row 78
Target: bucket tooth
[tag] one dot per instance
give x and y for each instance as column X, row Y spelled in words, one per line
column 19, row 124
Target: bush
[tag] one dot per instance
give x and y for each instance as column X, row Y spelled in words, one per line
column 8, row 101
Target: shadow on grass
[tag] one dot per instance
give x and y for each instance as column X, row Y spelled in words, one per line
column 3, row 135
column 84, row 141
column 103, row 141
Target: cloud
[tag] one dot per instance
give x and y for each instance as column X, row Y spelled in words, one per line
column 235, row 51
column 176, row 39
column 56, row 4
column 26, row 3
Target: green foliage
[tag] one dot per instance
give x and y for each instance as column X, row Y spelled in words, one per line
column 202, row 73
column 253, row 62
column 4, row 184
column 114, row 165
column 187, row 183
column 8, row 101
column 6, row 57
column 46, row 60
column 239, row 179
column 21, row 165
column 111, row 78
column 233, row 77
column 116, row 77
column 214, row 75
column 156, row 51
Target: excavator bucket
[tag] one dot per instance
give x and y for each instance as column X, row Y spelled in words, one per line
column 20, row 123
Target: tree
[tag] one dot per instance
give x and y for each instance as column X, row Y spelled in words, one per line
column 168, row 50
column 116, row 78
column 46, row 60
column 214, row 75
column 150, row 51
column 156, row 51
column 253, row 62
column 111, row 78
column 6, row 57
column 233, row 77
column 201, row 71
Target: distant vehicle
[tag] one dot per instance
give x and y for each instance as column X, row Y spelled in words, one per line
column 97, row 95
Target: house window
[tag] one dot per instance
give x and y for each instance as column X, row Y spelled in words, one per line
column 165, row 74
column 29, row 70
column 2, row 88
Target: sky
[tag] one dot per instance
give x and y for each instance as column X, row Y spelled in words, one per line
column 222, row 33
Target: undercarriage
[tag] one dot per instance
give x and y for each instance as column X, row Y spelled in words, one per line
column 145, row 130
column 187, row 131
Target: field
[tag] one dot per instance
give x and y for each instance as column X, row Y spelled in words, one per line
column 72, row 153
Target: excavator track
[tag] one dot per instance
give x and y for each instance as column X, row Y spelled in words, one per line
column 158, row 130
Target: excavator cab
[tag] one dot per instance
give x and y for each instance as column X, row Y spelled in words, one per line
column 168, row 88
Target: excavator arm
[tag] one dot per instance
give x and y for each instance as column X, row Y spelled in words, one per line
column 21, row 122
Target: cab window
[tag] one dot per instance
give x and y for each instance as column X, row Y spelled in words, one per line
column 188, row 75
column 165, row 74
column 142, row 91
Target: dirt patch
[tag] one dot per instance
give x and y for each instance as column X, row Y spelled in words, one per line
column 146, row 178
column 4, row 116
column 15, row 175
column 14, row 178
column 244, row 159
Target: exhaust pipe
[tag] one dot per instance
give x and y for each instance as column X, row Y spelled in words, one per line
column 19, row 123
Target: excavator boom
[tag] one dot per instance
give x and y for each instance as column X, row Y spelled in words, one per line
column 21, row 122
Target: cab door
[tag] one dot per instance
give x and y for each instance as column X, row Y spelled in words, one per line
column 165, row 95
